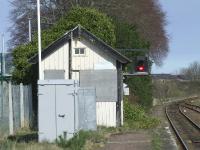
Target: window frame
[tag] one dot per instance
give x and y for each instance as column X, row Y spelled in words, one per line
column 79, row 51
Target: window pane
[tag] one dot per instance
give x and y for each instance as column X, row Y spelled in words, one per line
column 82, row 51
column 76, row 51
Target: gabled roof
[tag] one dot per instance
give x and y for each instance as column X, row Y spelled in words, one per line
column 79, row 31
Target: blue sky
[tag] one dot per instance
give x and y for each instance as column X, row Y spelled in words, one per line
column 184, row 33
column 183, row 29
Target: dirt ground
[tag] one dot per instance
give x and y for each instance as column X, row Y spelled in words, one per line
column 142, row 140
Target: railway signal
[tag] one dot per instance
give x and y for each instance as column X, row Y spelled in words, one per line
column 141, row 64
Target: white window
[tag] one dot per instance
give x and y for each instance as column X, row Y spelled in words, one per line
column 79, row 51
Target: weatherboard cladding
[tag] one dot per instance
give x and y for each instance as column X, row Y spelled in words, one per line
column 58, row 60
column 79, row 32
column 93, row 59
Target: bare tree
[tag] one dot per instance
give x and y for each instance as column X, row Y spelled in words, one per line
column 192, row 72
column 22, row 10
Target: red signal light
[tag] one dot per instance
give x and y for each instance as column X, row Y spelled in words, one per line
column 140, row 68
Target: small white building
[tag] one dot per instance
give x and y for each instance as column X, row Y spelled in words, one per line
column 80, row 55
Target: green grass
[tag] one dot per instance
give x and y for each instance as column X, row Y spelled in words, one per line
column 10, row 145
column 156, row 141
column 85, row 140
column 89, row 139
column 25, row 139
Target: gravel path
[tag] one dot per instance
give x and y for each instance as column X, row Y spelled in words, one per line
column 137, row 140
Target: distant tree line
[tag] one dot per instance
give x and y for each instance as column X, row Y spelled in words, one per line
column 146, row 16
column 192, row 71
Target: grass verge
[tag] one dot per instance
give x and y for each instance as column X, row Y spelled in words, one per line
column 156, row 141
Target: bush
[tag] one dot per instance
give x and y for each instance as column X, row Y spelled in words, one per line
column 128, row 38
column 141, row 88
column 135, row 117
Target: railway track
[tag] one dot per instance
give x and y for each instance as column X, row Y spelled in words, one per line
column 192, row 107
column 192, row 113
column 181, row 117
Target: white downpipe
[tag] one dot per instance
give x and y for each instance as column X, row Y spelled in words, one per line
column 39, row 39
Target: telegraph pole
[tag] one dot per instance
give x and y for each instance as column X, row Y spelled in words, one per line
column 29, row 29
column 39, row 39
column 3, row 56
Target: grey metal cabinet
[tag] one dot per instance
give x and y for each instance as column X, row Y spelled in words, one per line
column 57, row 109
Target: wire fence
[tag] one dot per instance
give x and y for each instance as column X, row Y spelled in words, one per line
column 15, row 107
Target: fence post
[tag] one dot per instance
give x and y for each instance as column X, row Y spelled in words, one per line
column 1, row 99
column 11, row 130
column 21, row 105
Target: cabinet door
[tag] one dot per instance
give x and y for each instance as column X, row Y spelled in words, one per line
column 65, row 111
column 46, row 113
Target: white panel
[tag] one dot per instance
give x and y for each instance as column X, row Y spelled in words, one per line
column 42, row 69
column 45, row 65
column 65, row 111
column 51, row 61
column 47, row 125
column 58, row 60
column 106, row 114
column 66, row 60
column 75, row 76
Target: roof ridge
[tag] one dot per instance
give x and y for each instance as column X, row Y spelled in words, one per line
column 57, row 42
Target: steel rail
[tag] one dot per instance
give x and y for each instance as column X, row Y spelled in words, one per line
column 189, row 119
column 176, row 131
column 192, row 107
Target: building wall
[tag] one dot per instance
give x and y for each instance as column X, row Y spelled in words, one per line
column 94, row 59
column 58, row 60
